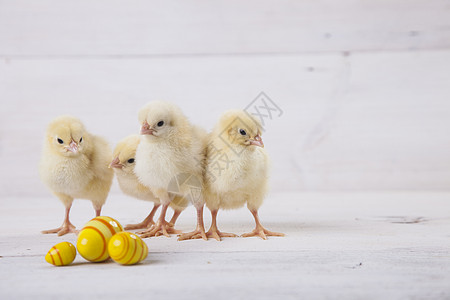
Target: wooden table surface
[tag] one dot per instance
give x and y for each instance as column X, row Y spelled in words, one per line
column 337, row 246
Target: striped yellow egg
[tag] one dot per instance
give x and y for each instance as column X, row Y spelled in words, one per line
column 61, row 254
column 93, row 239
column 127, row 248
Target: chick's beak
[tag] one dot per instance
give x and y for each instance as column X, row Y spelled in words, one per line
column 116, row 163
column 73, row 147
column 146, row 129
column 257, row 141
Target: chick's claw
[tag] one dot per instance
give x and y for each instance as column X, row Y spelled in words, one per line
column 218, row 235
column 196, row 234
column 262, row 233
column 141, row 225
column 160, row 228
column 64, row 229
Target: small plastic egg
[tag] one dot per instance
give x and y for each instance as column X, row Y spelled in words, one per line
column 126, row 248
column 93, row 239
column 61, row 254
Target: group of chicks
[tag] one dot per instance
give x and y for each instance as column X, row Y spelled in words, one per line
column 170, row 163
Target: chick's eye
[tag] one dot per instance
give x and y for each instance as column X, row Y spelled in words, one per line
column 60, row 141
column 242, row 132
column 81, row 139
column 131, row 160
column 160, row 123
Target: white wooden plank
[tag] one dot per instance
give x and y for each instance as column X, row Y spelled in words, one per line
column 386, row 120
column 337, row 246
column 369, row 121
column 140, row 27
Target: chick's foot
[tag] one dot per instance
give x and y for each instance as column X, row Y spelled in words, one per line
column 198, row 233
column 216, row 234
column 141, row 225
column 262, row 233
column 160, row 228
column 213, row 231
column 147, row 223
column 64, row 229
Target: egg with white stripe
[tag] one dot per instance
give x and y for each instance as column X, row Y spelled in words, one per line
column 127, row 248
column 93, row 239
column 61, row 254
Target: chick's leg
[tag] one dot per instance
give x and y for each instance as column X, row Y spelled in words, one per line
column 260, row 230
column 200, row 230
column 176, row 214
column 98, row 210
column 214, row 231
column 162, row 227
column 148, row 221
column 66, row 227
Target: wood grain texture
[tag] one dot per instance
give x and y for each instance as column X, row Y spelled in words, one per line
column 140, row 27
column 363, row 85
column 367, row 121
column 364, row 89
column 335, row 247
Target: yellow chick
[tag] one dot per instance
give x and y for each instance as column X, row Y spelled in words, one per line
column 236, row 171
column 169, row 161
column 123, row 164
column 74, row 164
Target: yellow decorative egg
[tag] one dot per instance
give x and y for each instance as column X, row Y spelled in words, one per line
column 127, row 248
column 61, row 254
column 93, row 239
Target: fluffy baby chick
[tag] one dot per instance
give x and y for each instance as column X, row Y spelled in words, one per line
column 74, row 164
column 236, row 170
column 123, row 163
column 169, row 161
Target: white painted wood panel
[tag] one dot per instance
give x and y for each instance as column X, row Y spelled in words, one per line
column 346, row 246
column 365, row 121
column 363, row 85
column 140, row 27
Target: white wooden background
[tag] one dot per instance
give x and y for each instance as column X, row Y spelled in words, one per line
column 364, row 85
column 365, row 91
